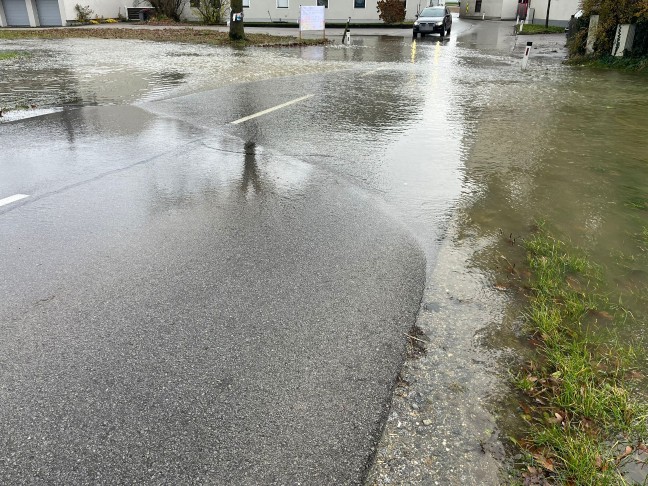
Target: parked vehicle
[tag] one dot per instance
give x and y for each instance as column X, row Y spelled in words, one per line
column 433, row 20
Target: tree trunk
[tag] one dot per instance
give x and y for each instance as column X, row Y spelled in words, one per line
column 236, row 31
column 548, row 8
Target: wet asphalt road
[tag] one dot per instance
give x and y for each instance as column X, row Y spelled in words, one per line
column 182, row 306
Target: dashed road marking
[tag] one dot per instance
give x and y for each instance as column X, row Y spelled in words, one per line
column 12, row 199
column 269, row 110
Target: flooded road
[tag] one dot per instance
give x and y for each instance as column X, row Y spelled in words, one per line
column 451, row 138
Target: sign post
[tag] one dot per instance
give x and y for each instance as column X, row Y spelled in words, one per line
column 525, row 59
column 311, row 18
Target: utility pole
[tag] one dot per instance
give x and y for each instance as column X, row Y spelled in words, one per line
column 548, row 8
column 236, row 31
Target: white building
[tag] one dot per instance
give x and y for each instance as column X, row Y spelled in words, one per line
column 46, row 13
column 533, row 10
column 360, row 11
column 35, row 13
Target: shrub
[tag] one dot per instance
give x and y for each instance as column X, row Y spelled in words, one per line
column 391, row 11
column 212, row 11
column 83, row 13
column 169, row 8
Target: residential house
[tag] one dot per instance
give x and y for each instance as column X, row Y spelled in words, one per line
column 49, row 13
column 534, row 11
column 339, row 11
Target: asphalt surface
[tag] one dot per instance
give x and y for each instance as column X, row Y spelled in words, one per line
column 180, row 306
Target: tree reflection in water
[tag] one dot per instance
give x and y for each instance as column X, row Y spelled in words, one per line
column 250, row 182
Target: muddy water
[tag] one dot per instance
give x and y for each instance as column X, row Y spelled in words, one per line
column 566, row 145
column 100, row 71
column 576, row 155
column 571, row 150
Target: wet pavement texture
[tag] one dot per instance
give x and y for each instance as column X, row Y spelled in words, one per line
column 207, row 312
column 210, row 302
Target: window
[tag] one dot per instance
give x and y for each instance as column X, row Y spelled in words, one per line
column 478, row 6
column 322, row 3
column 246, row 3
column 358, row 3
column 282, row 3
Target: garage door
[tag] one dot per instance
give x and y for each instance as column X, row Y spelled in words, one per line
column 15, row 12
column 48, row 12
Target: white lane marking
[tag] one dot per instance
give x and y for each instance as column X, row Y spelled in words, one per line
column 12, row 199
column 269, row 110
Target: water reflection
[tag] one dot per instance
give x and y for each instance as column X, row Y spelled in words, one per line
column 250, row 181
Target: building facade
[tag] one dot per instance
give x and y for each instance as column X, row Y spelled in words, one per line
column 339, row 11
column 50, row 13
column 531, row 10
column 53, row 13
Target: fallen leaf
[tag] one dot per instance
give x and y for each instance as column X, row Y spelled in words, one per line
column 525, row 408
column 544, row 462
column 626, row 453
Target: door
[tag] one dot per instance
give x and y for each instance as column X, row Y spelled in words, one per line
column 48, row 12
column 16, row 13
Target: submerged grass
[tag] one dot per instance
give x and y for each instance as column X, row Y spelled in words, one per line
column 633, row 64
column 585, row 423
column 531, row 29
column 189, row 35
column 6, row 55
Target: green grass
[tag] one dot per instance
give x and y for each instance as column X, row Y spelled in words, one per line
column 6, row 55
column 581, row 412
column 189, row 35
column 634, row 64
column 531, row 29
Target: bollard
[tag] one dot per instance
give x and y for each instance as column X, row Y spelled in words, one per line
column 525, row 59
column 522, row 25
column 346, row 37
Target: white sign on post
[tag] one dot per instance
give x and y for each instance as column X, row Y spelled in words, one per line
column 311, row 18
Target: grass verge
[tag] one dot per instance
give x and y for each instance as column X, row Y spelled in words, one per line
column 189, row 35
column 6, row 55
column 636, row 64
column 532, row 29
column 585, row 424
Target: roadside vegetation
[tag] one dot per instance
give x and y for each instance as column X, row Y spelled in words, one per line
column 611, row 14
column 531, row 29
column 585, row 422
column 6, row 55
column 189, row 35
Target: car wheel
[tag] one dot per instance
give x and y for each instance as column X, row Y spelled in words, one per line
column 422, row 34
column 413, row 35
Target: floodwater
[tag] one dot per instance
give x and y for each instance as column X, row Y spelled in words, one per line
column 469, row 150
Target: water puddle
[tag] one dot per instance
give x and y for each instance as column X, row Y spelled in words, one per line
column 100, row 71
